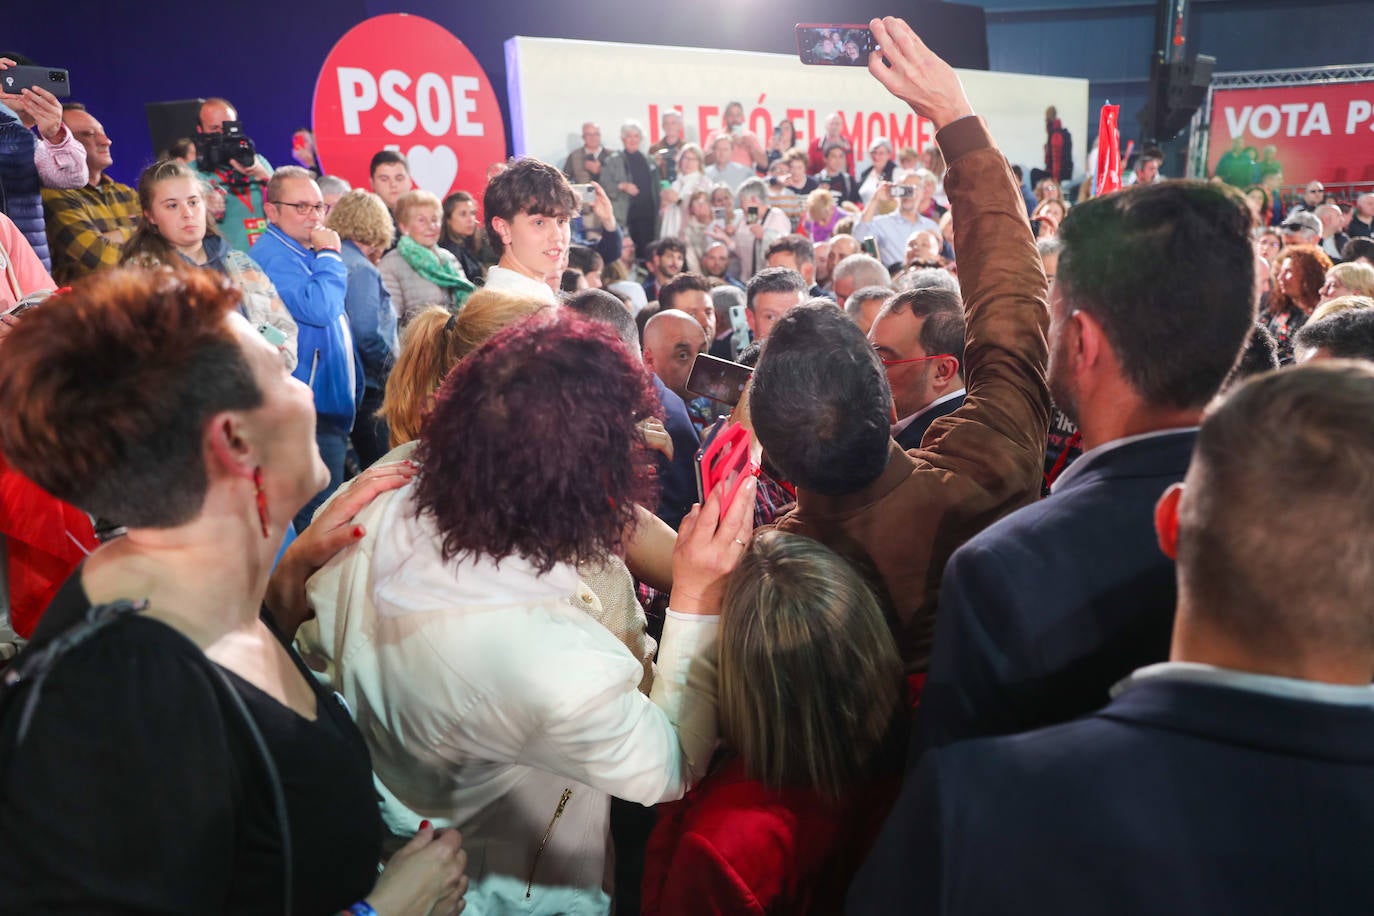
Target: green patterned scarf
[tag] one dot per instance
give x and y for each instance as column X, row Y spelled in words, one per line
column 427, row 263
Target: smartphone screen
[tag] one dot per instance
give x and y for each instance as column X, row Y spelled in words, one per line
column 718, row 379
column 718, row 214
column 869, row 246
column 751, row 216
column 833, row 45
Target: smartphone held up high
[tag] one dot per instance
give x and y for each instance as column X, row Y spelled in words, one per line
column 834, row 45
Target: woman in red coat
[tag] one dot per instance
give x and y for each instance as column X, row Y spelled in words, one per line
column 812, row 713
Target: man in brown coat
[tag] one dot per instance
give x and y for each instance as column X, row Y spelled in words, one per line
column 822, row 408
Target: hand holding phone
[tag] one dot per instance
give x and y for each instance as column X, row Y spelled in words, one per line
column 586, row 194
column 937, row 93
column 724, row 460
column 710, row 542
column 15, row 78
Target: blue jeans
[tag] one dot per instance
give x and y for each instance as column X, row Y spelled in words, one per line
column 333, row 443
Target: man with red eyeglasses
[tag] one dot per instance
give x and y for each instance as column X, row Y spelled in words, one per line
column 919, row 336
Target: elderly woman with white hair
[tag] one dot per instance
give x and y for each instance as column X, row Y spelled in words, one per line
column 880, row 169
column 631, row 180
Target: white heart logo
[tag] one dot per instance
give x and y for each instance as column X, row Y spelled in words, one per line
column 433, row 169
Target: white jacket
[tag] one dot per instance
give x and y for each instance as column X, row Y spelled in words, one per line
column 492, row 702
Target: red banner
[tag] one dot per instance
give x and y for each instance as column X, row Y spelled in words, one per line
column 1307, row 133
column 401, row 82
column 1108, row 151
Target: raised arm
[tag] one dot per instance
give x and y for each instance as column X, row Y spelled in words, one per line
column 998, row 436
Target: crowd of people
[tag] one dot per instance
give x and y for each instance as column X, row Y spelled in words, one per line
column 363, row 563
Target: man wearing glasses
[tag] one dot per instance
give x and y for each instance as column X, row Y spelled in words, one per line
column 302, row 258
column 919, row 336
column 88, row 226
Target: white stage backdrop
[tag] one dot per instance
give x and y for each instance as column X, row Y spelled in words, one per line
column 555, row 84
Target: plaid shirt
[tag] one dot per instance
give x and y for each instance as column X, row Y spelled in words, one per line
column 76, row 220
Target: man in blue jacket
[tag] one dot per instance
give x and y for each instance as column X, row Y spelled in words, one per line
column 302, row 258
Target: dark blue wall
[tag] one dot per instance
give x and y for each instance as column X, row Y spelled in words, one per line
column 1110, row 43
column 265, row 56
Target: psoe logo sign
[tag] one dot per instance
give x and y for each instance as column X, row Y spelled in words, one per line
column 402, row 82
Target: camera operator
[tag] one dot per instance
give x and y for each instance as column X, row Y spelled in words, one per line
column 229, row 161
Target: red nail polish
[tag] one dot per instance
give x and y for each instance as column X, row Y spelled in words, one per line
column 425, row 825
column 357, row 531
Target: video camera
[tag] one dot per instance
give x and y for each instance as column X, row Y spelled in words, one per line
column 218, row 152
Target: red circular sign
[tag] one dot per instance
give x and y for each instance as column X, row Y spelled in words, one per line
column 402, row 82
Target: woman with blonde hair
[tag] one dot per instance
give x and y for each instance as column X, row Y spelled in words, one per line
column 820, row 216
column 364, row 225
column 1350, row 279
column 433, row 343
column 1348, row 303
column 419, row 273
column 812, row 716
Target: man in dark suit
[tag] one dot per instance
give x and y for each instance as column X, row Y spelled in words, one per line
column 919, row 336
column 1238, row 777
column 1042, row 612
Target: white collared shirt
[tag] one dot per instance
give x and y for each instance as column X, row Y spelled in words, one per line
column 509, row 281
column 902, row 424
column 1098, row 451
column 1288, row 688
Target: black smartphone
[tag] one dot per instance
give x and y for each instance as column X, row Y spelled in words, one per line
column 869, row 246
column 751, row 216
column 718, row 379
column 18, row 78
column 834, row 45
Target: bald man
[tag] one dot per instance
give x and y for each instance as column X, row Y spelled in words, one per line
column 1333, row 223
column 672, row 340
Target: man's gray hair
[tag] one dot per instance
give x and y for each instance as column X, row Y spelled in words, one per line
column 631, row 125
column 926, row 278
column 283, row 174
column 863, row 270
column 333, row 184
column 725, row 296
column 755, row 187
column 855, row 305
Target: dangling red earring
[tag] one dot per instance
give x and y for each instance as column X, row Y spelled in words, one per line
column 262, row 501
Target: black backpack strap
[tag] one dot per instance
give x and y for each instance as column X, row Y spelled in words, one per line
column 32, row 668
column 30, row 671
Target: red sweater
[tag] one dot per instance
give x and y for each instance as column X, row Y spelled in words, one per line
column 733, row 846
column 45, row 540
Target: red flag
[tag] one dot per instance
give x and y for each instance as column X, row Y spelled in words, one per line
column 1108, row 151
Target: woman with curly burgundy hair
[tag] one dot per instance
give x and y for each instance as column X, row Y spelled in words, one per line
column 1299, row 277
column 462, row 635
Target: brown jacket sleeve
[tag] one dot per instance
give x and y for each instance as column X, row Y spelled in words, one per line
column 998, row 435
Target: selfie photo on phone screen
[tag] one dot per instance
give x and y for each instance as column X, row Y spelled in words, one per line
column 834, row 45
